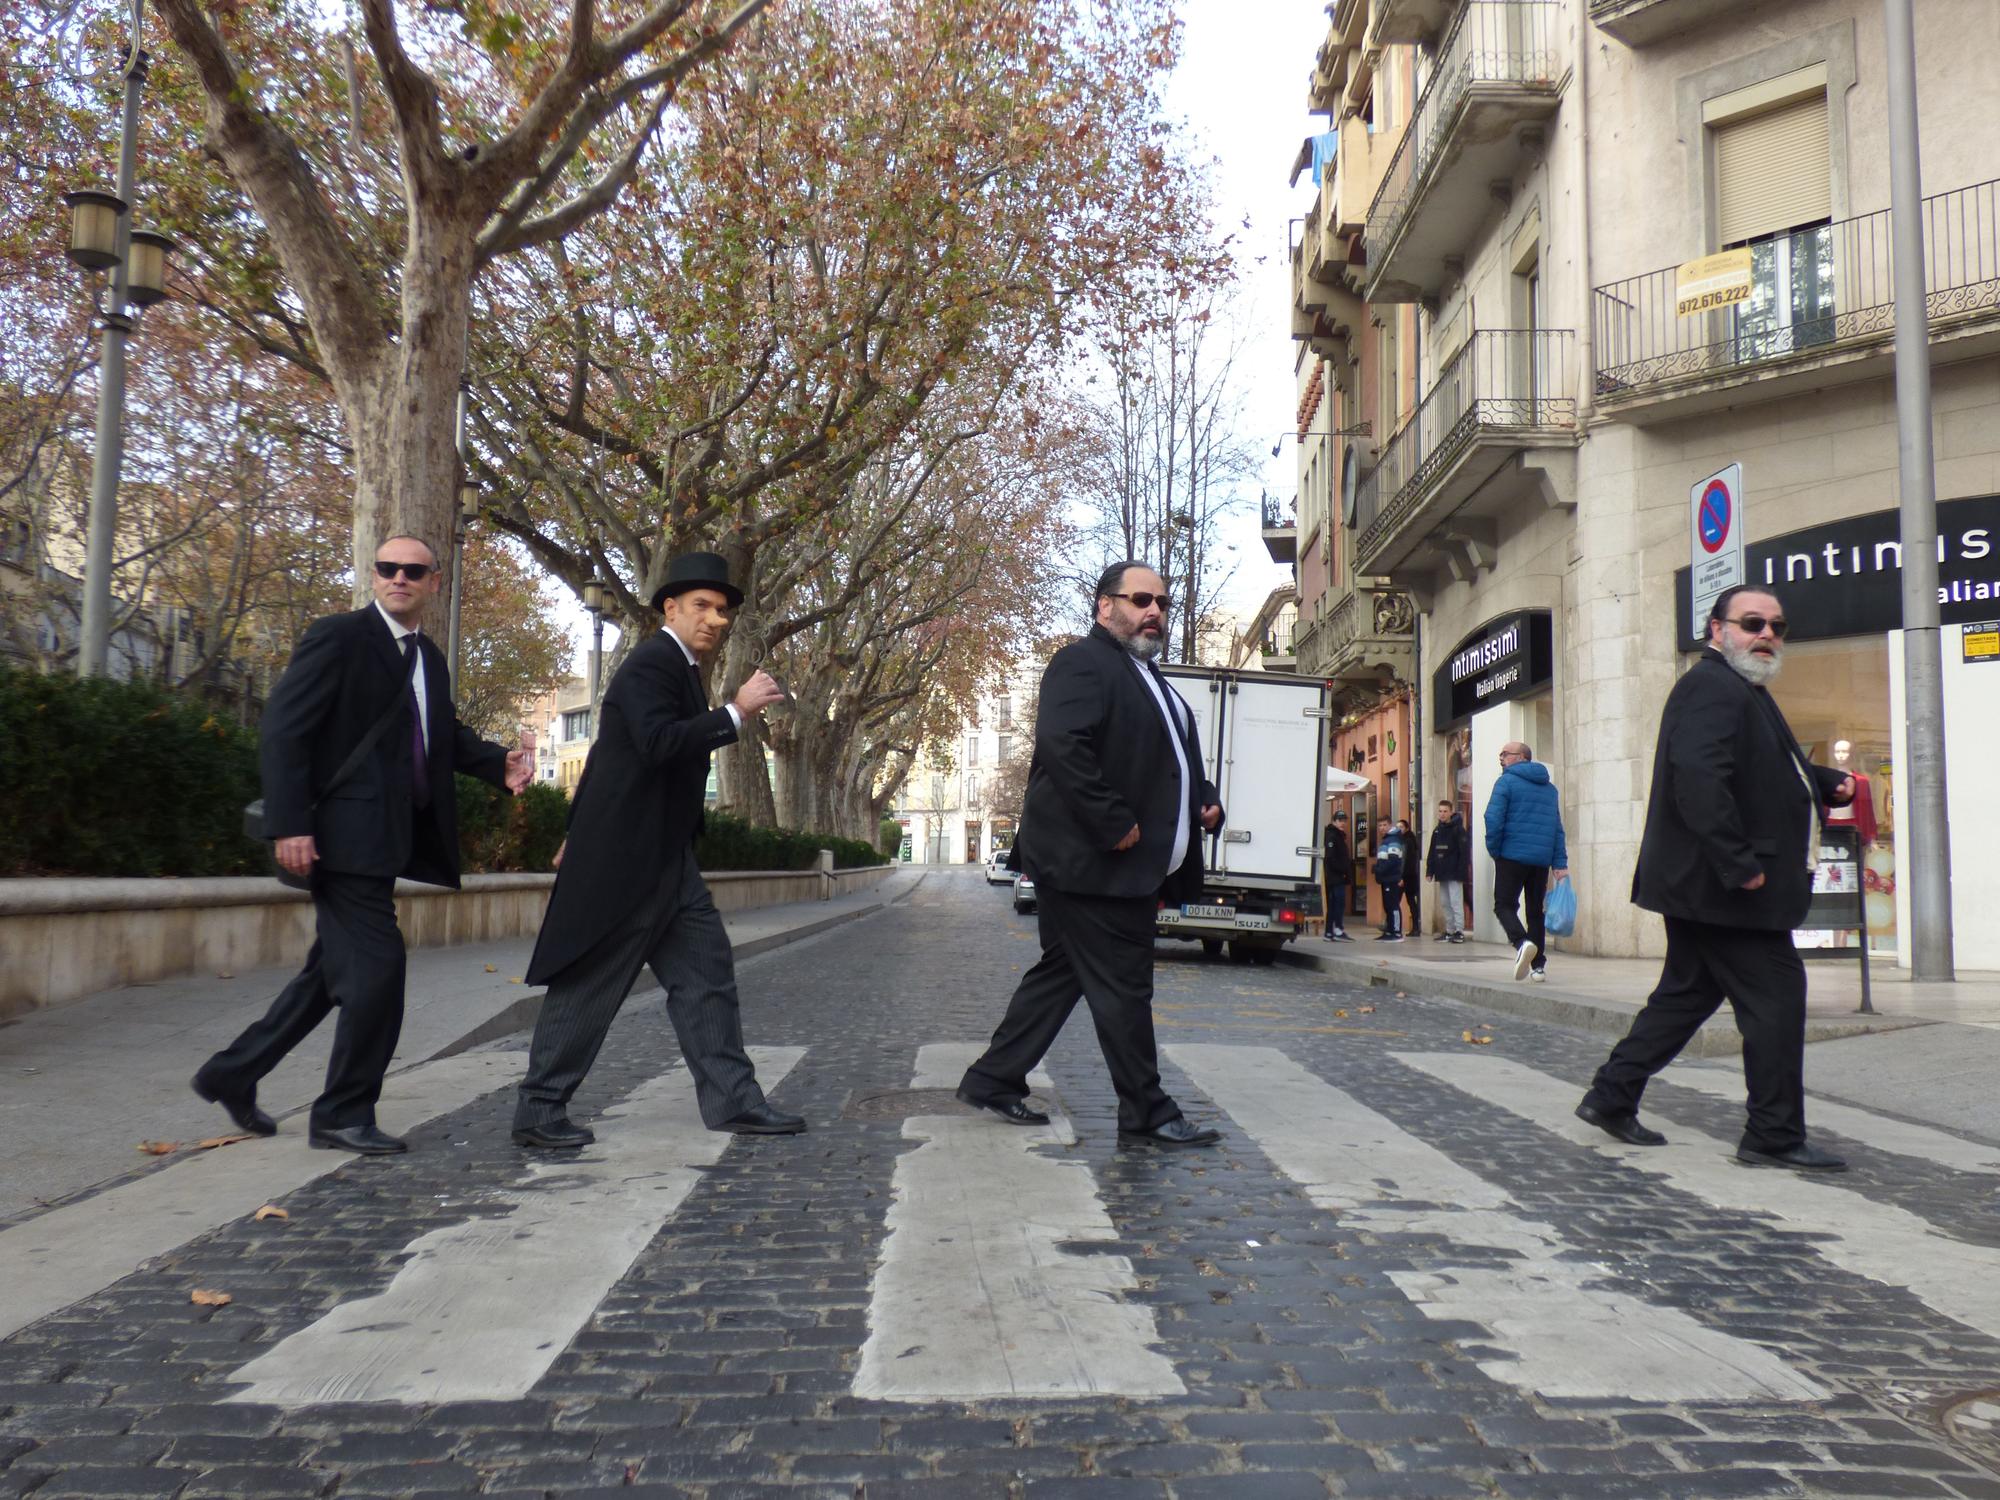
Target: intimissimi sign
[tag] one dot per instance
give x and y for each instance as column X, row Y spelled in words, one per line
column 1846, row 578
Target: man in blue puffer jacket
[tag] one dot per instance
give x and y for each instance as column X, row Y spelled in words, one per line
column 1524, row 834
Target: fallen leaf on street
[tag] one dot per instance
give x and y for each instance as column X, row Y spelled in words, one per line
column 1465, row 1036
column 219, row 1140
column 159, row 1148
column 493, row 968
column 1341, row 1014
column 1482, row 1041
column 1402, row 994
column 516, row 979
column 203, row 1298
column 1367, row 1010
column 224, row 974
column 270, row 1211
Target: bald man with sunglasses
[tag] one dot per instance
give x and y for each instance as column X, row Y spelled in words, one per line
column 358, row 747
column 1728, row 855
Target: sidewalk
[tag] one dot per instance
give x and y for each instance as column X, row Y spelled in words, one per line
column 1603, row 994
column 86, row 1082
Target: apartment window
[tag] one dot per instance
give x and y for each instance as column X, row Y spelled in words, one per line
column 1392, row 372
column 972, row 749
column 1003, row 708
column 576, row 724
column 972, row 790
column 1774, row 195
column 1006, row 749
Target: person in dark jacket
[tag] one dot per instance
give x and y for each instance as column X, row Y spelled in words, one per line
column 396, row 814
column 1391, row 855
column 1337, row 861
column 1445, row 862
column 1111, row 827
column 628, row 891
column 1524, row 835
column 1727, row 858
column 1413, row 876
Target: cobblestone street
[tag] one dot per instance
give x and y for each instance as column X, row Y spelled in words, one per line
column 1407, row 1271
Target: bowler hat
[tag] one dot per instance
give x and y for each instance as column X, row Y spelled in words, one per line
column 698, row 570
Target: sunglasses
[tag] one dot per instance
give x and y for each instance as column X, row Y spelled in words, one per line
column 1755, row 625
column 415, row 572
column 1144, row 600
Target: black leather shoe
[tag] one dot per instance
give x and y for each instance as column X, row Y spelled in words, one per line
column 1624, row 1128
column 1013, row 1111
column 244, row 1111
column 364, row 1140
column 1176, row 1132
column 1802, row 1158
column 554, row 1135
column 764, row 1120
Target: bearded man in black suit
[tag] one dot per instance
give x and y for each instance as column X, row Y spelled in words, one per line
column 628, row 891
column 1111, row 825
column 395, row 813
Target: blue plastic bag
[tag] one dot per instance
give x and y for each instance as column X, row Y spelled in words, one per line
column 1559, row 911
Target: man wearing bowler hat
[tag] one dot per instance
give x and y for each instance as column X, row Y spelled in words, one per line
column 627, row 890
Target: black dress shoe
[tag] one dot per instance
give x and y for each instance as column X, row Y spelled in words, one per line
column 243, row 1111
column 364, row 1140
column 1800, row 1158
column 1624, row 1128
column 1176, row 1132
column 554, row 1135
column 764, row 1120
column 1013, row 1111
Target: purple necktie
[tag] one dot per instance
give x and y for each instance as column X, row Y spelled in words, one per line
column 420, row 765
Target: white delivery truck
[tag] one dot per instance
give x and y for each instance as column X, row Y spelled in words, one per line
column 1263, row 743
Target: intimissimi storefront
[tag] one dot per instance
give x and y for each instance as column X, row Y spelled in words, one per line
column 1842, row 690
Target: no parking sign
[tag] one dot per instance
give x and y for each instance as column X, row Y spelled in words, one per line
column 1715, row 541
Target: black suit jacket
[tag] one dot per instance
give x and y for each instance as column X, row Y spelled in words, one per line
column 638, row 805
column 1102, row 763
column 1727, row 804
column 344, row 673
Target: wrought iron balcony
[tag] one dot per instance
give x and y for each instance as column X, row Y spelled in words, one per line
column 1819, row 307
column 1505, row 392
column 1281, row 532
column 1498, row 72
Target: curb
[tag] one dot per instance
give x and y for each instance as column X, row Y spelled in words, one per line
column 1717, row 1038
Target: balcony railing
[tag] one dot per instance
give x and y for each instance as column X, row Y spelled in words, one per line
column 1812, row 292
column 1492, row 41
column 1502, row 380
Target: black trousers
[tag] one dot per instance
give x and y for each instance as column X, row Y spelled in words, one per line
column 1511, row 881
column 1414, row 894
column 355, row 964
column 1764, row 980
column 1392, row 907
column 1336, row 908
column 1098, row 949
column 679, row 933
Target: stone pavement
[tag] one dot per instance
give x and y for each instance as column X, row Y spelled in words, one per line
column 1404, row 1272
column 86, row 1082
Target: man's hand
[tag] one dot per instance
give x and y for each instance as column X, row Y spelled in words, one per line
column 758, row 694
column 297, row 854
column 1562, row 874
column 1755, row 882
column 556, row 863
column 1844, row 793
column 521, row 767
column 1211, row 818
column 1127, row 842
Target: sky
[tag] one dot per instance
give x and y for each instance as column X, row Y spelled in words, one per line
column 1240, row 90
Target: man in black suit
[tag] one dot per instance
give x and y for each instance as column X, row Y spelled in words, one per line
column 1731, row 840
column 1111, row 825
column 397, row 814
column 628, row 891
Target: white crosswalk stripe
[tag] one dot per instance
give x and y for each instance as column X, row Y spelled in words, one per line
column 976, row 1296
column 482, row 1309
column 1865, row 1126
column 1564, row 1331
column 1879, row 1241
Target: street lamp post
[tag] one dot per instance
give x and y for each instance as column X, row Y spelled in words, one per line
column 102, row 239
column 595, row 599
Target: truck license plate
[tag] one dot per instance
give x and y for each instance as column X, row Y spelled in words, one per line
column 1222, row 913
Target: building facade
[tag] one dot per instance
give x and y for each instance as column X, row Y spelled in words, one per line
column 959, row 804
column 1639, row 244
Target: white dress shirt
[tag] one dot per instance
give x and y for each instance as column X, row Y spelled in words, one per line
column 734, row 717
column 1174, row 733
column 399, row 631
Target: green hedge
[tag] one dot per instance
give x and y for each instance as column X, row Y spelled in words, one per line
column 115, row 778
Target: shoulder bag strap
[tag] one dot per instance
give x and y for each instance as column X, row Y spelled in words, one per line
column 375, row 731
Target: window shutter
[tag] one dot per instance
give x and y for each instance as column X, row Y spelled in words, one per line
column 1772, row 172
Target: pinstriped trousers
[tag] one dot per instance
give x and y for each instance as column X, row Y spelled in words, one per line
column 679, row 935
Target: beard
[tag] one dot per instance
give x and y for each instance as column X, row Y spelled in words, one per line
column 1144, row 647
column 1752, row 666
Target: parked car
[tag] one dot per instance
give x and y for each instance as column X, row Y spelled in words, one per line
column 1024, row 893
column 997, row 872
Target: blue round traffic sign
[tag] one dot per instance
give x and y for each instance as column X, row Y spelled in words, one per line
column 1713, row 518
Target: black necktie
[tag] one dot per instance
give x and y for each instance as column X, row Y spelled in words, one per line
column 420, row 765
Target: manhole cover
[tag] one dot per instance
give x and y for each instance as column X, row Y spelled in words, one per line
column 1975, row 1421
column 900, row 1104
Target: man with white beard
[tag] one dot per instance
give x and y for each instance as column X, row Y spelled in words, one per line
column 1731, row 842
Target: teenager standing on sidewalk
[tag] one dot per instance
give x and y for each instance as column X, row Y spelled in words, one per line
column 1338, row 863
column 1445, row 863
column 1524, row 834
column 1391, row 850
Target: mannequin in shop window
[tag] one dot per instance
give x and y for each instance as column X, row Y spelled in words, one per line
column 1860, row 813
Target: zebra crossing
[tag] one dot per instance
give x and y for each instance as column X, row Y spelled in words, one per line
column 1000, row 1273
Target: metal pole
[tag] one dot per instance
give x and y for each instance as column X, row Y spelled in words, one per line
column 596, row 664
column 109, row 456
column 458, row 524
column 1923, row 668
